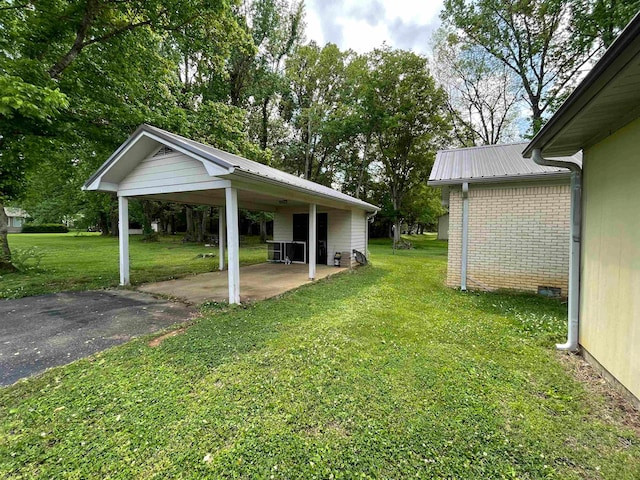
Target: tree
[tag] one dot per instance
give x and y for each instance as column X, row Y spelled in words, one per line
column 598, row 22
column 80, row 76
column 483, row 93
column 314, row 107
column 413, row 123
column 532, row 39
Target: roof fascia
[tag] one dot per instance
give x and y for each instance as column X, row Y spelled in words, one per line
column 241, row 174
column 509, row 179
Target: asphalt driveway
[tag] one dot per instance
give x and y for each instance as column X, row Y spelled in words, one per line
column 40, row 332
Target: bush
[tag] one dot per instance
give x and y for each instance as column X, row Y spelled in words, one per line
column 45, row 228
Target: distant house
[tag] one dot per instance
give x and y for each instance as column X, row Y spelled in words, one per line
column 505, row 212
column 17, row 217
column 602, row 118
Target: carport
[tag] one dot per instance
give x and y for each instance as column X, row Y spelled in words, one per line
column 159, row 165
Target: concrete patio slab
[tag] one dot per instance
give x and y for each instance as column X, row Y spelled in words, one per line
column 257, row 282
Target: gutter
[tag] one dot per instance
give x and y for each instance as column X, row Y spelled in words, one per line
column 572, row 343
column 368, row 220
column 499, row 179
column 264, row 179
column 465, row 236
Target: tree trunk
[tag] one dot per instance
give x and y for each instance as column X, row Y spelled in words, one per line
column 363, row 166
column 189, row 237
column 5, row 252
column 396, row 232
column 263, row 228
column 203, row 226
column 264, row 133
column 114, row 223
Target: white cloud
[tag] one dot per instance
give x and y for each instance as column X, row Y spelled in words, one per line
column 364, row 25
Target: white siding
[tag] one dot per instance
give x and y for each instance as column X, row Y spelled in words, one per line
column 345, row 228
column 283, row 225
column 339, row 235
column 358, row 232
column 167, row 170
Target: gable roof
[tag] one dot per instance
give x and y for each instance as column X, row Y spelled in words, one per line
column 15, row 212
column 491, row 163
column 225, row 164
column 607, row 99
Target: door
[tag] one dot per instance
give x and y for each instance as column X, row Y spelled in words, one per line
column 301, row 234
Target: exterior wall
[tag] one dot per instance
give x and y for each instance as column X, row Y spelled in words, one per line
column 358, row 231
column 339, row 235
column 610, row 280
column 518, row 236
column 342, row 227
column 15, row 224
column 443, row 227
column 174, row 169
column 283, row 225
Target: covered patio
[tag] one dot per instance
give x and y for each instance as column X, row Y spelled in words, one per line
column 158, row 165
column 207, row 287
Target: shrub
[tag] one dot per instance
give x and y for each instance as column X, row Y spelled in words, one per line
column 45, row 228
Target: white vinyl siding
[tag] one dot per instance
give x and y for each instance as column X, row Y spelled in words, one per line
column 283, row 226
column 358, row 232
column 345, row 229
column 339, row 235
column 167, row 170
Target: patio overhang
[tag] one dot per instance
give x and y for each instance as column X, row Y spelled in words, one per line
column 158, row 165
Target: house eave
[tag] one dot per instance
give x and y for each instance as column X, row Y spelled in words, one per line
column 501, row 179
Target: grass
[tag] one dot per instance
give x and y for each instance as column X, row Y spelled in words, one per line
column 380, row 373
column 89, row 261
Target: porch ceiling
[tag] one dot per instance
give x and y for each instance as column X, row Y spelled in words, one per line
column 249, row 199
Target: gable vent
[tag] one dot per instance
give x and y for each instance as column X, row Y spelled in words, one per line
column 164, row 150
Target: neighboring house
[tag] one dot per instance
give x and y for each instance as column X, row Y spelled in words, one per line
column 602, row 118
column 311, row 222
column 505, row 213
column 17, row 217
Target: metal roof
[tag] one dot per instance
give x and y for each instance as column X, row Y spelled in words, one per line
column 233, row 164
column 15, row 212
column 606, row 100
column 491, row 163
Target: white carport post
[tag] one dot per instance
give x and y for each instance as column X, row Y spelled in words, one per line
column 233, row 240
column 312, row 241
column 221, row 233
column 123, row 229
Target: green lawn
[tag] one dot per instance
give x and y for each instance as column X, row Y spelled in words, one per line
column 380, row 373
column 88, row 261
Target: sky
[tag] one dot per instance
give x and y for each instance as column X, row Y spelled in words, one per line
column 363, row 25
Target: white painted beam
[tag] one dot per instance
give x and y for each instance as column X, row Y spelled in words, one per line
column 222, row 231
column 233, row 241
column 313, row 240
column 123, row 229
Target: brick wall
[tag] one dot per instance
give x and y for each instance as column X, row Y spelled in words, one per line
column 518, row 237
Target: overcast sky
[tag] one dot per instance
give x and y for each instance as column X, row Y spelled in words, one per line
column 363, row 25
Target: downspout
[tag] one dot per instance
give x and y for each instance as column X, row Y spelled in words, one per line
column 465, row 236
column 572, row 343
column 369, row 219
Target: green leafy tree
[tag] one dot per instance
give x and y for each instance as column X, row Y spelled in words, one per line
column 315, row 108
column 80, row 75
column 532, row 39
column 598, row 22
column 483, row 93
column 413, row 123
